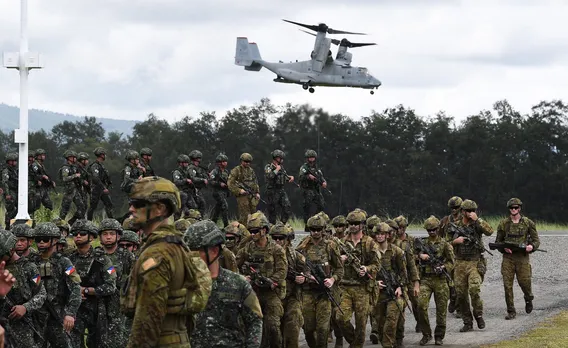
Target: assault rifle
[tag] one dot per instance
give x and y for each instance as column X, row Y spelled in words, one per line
column 318, row 177
column 260, row 280
column 288, row 176
column 249, row 191
column 26, row 318
column 434, row 261
column 318, row 275
column 514, row 247
column 468, row 233
column 54, row 316
column 348, row 250
column 391, row 284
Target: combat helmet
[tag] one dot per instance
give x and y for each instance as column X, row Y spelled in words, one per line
column 69, row 153
column 232, row 229
column 401, row 221
column 85, row 226
column 47, row 229
column 278, row 153
column 7, row 242
column 338, row 221
column 246, row 157
column 195, row 154
column 130, row 236
column 203, row 234
column 455, row 202
column 311, row 153
column 383, row 227
column 82, row 156
column 392, row 224
column 513, row 202
column 372, row 221
column 316, row 222
column 257, row 221
column 110, row 224
column 31, row 153
column 145, row 151
column 356, row 216
column 99, row 151
column 181, row 225
column 324, row 216
column 279, row 228
column 183, row 158
column 12, row 156
column 194, row 214
column 431, row 223
column 468, row 204
column 221, row 158
column 22, row 231
column 39, row 152
column 127, row 223
column 131, row 155
column 156, row 189
column 291, row 232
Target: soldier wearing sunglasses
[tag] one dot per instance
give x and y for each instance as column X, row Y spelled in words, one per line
column 129, row 241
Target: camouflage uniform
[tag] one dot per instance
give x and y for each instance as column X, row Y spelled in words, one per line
column 180, row 179
column 148, row 170
column 28, row 292
column 518, row 262
column 228, row 260
column 434, row 282
column 270, row 262
column 167, row 284
column 68, row 243
column 131, row 172
column 275, row 193
column 101, row 182
column 40, row 192
column 246, row 204
column 198, row 175
column 85, row 178
column 220, row 176
column 311, row 189
column 315, row 303
column 70, row 176
column 9, row 185
column 467, row 277
column 407, row 245
column 233, row 317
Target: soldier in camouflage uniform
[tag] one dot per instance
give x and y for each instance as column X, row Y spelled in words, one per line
column 85, row 178
column 265, row 266
column 276, row 176
column 340, row 225
column 129, row 241
column 292, row 320
column 98, row 286
column 101, row 184
column 233, row 317
column 219, row 177
column 110, row 233
column 311, row 179
column 131, row 172
column 434, row 281
column 42, row 182
column 9, row 186
column 357, row 285
column 315, row 303
column 232, row 237
column 25, row 239
column 184, row 184
column 243, row 177
column 71, row 178
column 193, row 216
column 456, row 215
column 167, row 284
column 62, row 285
column 64, row 228
column 25, row 298
column 517, row 229
column 199, row 176
column 390, row 305
column 146, row 155
column 467, row 278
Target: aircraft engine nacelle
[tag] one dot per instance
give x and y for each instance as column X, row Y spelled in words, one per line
column 321, row 54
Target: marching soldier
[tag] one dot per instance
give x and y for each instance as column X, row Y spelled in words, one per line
column 219, row 177
column 276, row 177
column 146, row 155
column 456, row 215
column 520, row 230
column 42, row 182
column 101, row 184
column 198, row 175
column 184, row 184
column 71, row 178
column 340, row 225
column 131, row 172
column 243, row 184
column 85, row 178
column 311, row 179
column 9, row 186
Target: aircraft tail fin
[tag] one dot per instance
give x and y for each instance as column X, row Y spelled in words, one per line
column 247, row 55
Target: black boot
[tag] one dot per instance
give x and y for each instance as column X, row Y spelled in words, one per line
column 528, row 306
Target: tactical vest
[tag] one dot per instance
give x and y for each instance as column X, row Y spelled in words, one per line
column 319, row 254
column 100, row 171
column 278, row 181
column 426, row 268
column 516, row 233
column 306, row 183
column 468, row 251
column 53, row 279
column 220, row 176
column 21, row 291
column 262, row 260
column 71, row 170
column 12, row 178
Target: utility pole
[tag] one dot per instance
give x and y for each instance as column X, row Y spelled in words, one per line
column 23, row 61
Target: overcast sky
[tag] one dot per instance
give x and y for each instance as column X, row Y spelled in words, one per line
column 110, row 58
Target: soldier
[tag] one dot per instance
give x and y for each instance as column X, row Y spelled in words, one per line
column 167, row 285
column 62, row 285
column 184, row 184
column 233, row 317
column 42, row 182
column 311, row 178
column 110, row 233
column 193, row 216
column 85, row 178
column 181, row 225
column 131, row 172
column 71, row 178
column 129, row 241
column 467, row 278
column 292, row 320
column 276, row 176
column 9, row 186
column 232, row 237
column 520, row 230
column 25, row 239
column 406, row 243
column 435, row 265
column 243, row 185
column 456, row 215
column 219, row 177
column 198, row 175
column 25, row 298
column 146, row 154
column 69, row 246
column 360, row 257
column 316, row 305
column 101, row 184
column 339, row 224
column 264, row 264
column 98, row 285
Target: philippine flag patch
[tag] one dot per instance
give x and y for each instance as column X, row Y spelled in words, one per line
column 36, row 279
column 111, row 270
column 70, row 270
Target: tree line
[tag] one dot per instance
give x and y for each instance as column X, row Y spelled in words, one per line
column 388, row 163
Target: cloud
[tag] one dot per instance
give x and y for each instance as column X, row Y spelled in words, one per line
column 111, row 58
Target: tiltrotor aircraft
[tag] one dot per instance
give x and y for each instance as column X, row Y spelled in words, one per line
column 320, row 70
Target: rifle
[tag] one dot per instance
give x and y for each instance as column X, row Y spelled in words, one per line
column 468, row 234
column 390, row 287
column 348, row 250
column 288, row 176
column 26, row 318
column 260, row 280
column 249, row 191
column 318, row 275
column 514, row 247
column 433, row 260
column 318, row 177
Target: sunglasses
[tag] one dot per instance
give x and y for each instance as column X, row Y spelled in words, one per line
column 354, row 223
column 42, row 239
column 456, row 207
column 81, row 233
column 137, row 203
column 126, row 245
column 432, row 230
column 469, row 210
column 514, row 208
column 254, row 231
column 230, row 238
column 279, row 237
column 247, row 161
column 316, row 229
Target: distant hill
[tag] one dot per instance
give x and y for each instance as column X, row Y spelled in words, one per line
column 40, row 119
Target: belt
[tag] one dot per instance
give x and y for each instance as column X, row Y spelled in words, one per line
column 465, row 258
column 173, row 338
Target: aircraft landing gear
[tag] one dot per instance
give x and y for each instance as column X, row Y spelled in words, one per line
column 372, row 92
column 312, row 90
column 305, row 86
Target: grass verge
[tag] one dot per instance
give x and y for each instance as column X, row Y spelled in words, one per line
column 551, row 333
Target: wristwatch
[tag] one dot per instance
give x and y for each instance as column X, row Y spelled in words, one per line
column 86, row 291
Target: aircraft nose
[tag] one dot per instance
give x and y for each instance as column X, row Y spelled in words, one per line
column 374, row 82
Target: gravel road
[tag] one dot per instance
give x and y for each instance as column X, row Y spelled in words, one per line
column 549, row 288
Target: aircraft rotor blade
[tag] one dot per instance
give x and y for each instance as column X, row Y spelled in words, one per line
column 333, row 31
column 312, row 27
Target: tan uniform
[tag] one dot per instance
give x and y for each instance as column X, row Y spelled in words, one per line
column 407, row 245
column 246, row 204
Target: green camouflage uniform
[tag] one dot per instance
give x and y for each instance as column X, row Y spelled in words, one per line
column 246, row 204
column 179, row 178
column 275, row 193
column 220, row 195
column 270, row 261
column 85, row 188
column 232, row 318
column 310, row 190
column 71, row 183
column 437, row 284
column 129, row 174
column 443, row 232
column 101, row 182
column 9, row 185
column 407, row 245
column 228, row 260
column 356, row 290
column 517, row 263
column 292, row 320
column 40, row 193
column 197, row 175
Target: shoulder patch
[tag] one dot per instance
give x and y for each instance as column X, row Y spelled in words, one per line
column 151, row 262
column 111, row 270
column 96, row 171
column 36, row 279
